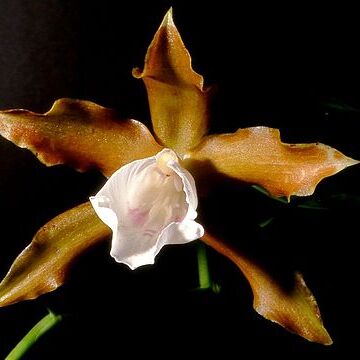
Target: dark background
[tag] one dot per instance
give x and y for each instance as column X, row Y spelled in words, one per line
column 291, row 67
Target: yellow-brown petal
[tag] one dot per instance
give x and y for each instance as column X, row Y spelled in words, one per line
column 256, row 155
column 43, row 265
column 293, row 308
column 79, row 133
column 177, row 99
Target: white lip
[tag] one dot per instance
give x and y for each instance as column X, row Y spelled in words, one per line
column 148, row 203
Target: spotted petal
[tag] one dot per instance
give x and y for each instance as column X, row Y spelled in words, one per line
column 256, row 155
column 79, row 133
column 177, row 99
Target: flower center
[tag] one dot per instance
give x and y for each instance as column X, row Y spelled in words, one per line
column 162, row 161
column 156, row 197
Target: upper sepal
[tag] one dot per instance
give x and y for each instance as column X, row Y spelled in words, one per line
column 177, row 98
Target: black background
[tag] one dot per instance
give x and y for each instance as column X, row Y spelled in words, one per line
column 272, row 65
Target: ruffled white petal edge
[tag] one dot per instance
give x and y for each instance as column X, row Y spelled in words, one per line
column 135, row 252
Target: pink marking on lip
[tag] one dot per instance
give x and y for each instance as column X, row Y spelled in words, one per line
column 137, row 216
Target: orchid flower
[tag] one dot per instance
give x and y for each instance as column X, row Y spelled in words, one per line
column 150, row 198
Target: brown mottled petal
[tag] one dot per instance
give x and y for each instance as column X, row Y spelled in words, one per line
column 79, row 133
column 256, row 155
column 295, row 309
column 178, row 102
column 43, row 265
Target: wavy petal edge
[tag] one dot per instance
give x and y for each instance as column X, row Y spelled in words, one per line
column 80, row 134
column 296, row 310
column 43, row 265
column 258, row 156
column 177, row 97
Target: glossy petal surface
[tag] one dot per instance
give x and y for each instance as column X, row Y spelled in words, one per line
column 79, row 133
column 256, row 155
column 43, row 265
column 293, row 308
column 178, row 102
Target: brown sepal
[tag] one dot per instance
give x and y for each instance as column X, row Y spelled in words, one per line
column 294, row 308
column 43, row 265
column 256, row 155
column 79, row 133
column 177, row 99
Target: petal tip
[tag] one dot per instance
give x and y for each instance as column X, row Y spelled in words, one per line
column 166, row 23
column 351, row 162
column 168, row 19
column 326, row 339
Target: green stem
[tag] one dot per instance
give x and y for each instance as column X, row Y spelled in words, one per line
column 266, row 222
column 203, row 267
column 43, row 326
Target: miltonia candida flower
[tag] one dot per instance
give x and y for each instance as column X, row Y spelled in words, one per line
column 144, row 215
column 147, row 204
